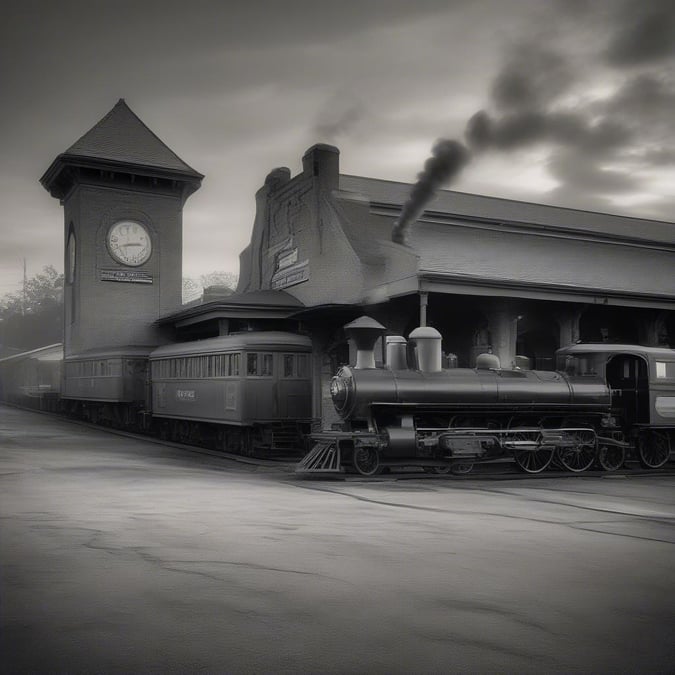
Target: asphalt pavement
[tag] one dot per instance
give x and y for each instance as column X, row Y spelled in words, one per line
column 120, row 555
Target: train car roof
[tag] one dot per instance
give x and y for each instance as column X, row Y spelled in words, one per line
column 605, row 348
column 236, row 341
column 112, row 353
column 49, row 353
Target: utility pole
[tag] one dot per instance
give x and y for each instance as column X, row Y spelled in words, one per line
column 23, row 294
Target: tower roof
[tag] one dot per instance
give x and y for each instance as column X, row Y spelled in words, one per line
column 122, row 137
column 121, row 141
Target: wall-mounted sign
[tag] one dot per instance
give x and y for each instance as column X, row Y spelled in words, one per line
column 289, row 276
column 129, row 276
column 186, row 395
column 287, row 258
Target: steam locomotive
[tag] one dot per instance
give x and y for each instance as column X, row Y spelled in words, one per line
column 602, row 402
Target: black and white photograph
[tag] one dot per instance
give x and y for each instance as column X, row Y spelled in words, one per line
column 337, row 337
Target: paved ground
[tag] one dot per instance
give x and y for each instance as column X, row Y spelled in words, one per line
column 124, row 556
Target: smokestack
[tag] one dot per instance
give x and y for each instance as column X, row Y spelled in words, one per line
column 364, row 331
column 448, row 158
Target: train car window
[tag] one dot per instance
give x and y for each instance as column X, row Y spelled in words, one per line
column 235, row 365
column 251, row 364
column 665, row 370
column 267, row 364
column 288, row 361
column 580, row 365
column 303, row 368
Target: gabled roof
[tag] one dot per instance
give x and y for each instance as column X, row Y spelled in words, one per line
column 122, row 137
column 480, row 208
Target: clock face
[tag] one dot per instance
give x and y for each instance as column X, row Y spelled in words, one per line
column 129, row 243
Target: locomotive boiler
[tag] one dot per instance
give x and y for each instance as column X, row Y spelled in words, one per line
column 413, row 412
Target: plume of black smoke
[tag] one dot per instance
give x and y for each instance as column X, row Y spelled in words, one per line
column 447, row 159
column 338, row 117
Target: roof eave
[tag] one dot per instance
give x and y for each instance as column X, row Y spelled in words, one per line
column 222, row 310
column 192, row 179
column 466, row 285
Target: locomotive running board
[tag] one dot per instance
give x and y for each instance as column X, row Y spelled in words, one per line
column 324, row 457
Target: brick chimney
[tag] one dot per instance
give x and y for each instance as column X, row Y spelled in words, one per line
column 322, row 162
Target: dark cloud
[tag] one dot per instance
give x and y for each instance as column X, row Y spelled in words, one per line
column 575, row 171
column 531, row 78
column 571, row 129
column 660, row 156
column 645, row 33
column 539, row 99
column 646, row 100
column 524, row 93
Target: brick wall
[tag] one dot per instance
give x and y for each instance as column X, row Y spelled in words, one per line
column 108, row 313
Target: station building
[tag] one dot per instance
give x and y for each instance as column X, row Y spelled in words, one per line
column 514, row 278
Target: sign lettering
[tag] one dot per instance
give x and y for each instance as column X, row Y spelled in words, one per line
column 128, row 276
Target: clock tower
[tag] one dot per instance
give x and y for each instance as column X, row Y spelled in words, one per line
column 123, row 192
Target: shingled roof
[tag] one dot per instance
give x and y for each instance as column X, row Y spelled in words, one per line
column 477, row 208
column 469, row 241
column 122, row 137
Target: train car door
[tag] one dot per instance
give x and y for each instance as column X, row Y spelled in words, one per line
column 628, row 377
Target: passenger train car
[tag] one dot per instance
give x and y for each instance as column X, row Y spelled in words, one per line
column 246, row 392
column 240, row 392
column 33, row 378
column 603, row 402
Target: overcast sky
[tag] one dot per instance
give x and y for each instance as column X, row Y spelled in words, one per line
column 567, row 102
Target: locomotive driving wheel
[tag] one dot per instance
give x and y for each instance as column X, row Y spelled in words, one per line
column 366, row 460
column 653, row 448
column 438, row 470
column 461, row 468
column 611, row 457
column 580, row 456
column 530, row 455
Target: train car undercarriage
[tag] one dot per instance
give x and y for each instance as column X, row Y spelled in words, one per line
column 455, row 450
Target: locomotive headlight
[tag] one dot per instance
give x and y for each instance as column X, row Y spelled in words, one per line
column 338, row 390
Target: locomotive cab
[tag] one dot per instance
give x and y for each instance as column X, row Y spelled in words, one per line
column 641, row 379
column 628, row 378
column 642, row 383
